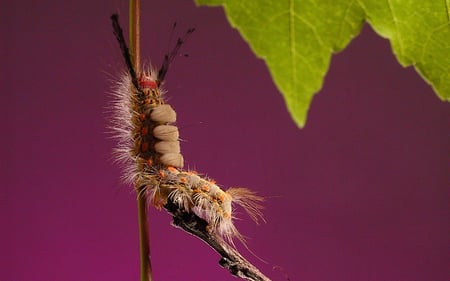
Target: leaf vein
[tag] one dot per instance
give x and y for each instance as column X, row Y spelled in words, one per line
column 447, row 3
column 395, row 20
column 292, row 43
column 344, row 19
column 429, row 38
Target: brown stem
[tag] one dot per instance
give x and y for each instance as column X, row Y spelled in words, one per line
column 144, row 237
column 135, row 34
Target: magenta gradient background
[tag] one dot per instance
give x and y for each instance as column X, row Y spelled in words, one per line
column 361, row 193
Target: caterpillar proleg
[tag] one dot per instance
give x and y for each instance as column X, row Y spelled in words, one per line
column 148, row 143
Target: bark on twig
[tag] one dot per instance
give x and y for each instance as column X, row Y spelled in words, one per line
column 231, row 258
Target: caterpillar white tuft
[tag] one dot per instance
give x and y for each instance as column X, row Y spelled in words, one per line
column 148, row 144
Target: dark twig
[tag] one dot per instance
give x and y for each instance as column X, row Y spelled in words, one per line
column 231, row 259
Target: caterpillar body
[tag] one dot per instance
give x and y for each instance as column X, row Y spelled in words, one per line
column 148, row 142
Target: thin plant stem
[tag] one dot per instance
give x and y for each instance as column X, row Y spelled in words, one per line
column 144, row 237
column 135, row 34
column 144, row 240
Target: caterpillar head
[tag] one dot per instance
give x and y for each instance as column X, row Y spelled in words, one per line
column 149, row 85
column 147, row 82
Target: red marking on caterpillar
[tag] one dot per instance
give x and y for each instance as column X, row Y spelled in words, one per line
column 148, row 143
column 147, row 83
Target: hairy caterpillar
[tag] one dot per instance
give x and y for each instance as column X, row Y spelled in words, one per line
column 148, row 143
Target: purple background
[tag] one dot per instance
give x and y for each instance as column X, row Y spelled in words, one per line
column 361, row 193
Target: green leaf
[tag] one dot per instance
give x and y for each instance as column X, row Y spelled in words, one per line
column 419, row 32
column 296, row 39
